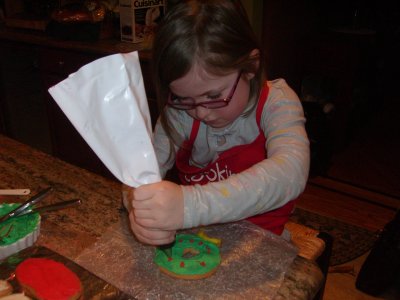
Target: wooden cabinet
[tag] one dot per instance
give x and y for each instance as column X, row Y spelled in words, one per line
column 22, row 106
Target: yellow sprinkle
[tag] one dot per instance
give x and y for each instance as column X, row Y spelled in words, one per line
column 224, row 191
column 281, row 131
column 279, row 161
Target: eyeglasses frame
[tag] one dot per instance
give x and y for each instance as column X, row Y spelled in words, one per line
column 224, row 102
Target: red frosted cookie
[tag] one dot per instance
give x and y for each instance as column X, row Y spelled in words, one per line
column 44, row 278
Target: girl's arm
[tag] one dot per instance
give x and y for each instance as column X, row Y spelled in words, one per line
column 268, row 184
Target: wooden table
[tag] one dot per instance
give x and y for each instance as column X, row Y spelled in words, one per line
column 69, row 232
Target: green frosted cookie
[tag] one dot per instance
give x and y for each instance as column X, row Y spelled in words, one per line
column 192, row 258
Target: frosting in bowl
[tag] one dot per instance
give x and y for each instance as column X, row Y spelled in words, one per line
column 17, row 233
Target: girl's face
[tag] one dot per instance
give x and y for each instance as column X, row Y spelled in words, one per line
column 203, row 86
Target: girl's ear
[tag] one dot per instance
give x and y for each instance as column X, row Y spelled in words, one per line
column 255, row 57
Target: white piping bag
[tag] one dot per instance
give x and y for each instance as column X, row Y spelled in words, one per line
column 106, row 102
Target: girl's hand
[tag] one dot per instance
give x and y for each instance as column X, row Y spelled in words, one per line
column 151, row 236
column 158, row 206
column 127, row 196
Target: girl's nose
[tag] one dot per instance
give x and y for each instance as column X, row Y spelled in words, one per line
column 201, row 112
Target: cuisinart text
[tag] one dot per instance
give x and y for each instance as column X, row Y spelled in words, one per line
column 144, row 3
column 139, row 18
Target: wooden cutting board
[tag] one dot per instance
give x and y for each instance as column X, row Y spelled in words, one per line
column 93, row 286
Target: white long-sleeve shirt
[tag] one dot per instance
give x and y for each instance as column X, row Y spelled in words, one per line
column 265, row 186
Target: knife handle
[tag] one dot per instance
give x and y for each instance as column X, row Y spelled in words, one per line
column 56, row 206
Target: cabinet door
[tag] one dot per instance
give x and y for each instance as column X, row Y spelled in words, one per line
column 22, row 108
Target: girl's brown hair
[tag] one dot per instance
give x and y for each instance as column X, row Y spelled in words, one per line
column 213, row 33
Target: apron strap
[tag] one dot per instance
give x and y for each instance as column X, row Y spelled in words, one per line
column 194, row 131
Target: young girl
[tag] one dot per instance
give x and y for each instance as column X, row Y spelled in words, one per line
column 238, row 141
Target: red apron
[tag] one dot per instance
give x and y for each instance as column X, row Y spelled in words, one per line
column 233, row 161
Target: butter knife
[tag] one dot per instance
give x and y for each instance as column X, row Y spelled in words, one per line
column 26, row 205
column 52, row 207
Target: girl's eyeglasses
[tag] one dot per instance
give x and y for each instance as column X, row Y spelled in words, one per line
column 189, row 103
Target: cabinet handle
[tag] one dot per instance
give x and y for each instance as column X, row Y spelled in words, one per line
column 61, row 63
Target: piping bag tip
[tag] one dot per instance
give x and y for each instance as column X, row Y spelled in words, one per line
column 167, row 248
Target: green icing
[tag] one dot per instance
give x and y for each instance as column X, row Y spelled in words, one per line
column 20, row 226
column 201, row 256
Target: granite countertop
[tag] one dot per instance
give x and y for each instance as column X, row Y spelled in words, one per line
column 70, row 231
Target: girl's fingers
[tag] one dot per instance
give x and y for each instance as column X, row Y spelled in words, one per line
column 150, row 236
column 141, row 204
column 147, row 218
column 155, row 242
column 143, row 214
column 148, row 223
column 143, row 192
